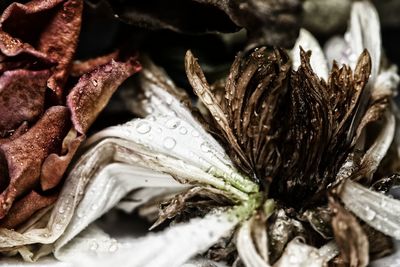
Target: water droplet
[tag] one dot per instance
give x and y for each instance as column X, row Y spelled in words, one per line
column 61, row 210
column 207, row 99
column 94, row 207
column 143, row 127
column 113, row 247
column 204, row 147
column 369, row 214
column 94, row 82
column 183, row 130
column 169, row 143
column 94, row 245
column 172, row 123
column 397, row 234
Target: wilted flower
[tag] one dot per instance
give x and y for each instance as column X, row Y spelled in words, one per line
column 280, row 168
column 42, row 120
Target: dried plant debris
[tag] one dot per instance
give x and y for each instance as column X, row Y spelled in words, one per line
column 267, row 22
column 42, row 120
column 286, row 163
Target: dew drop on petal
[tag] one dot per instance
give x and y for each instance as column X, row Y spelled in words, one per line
column 169, row 143
column 183, row 130
column 94, row 245
column 369, row 214
column 204, row 147
column 143, row 127
column 172, row 123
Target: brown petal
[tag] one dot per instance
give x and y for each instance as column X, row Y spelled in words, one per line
column 94, row 89
column 349, row 236
column 22, row 94
column 26, row 154
column 60, row 40
column 52, row 27
column 54, row 166
column 10, row 47
column 24, row 208
column 81, row 67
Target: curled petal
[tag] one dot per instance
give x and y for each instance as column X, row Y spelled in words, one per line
column 349, row 236
column 94, row 89
column 52, row 27
column 25, row 155
column 22, row 94
column 24, row 208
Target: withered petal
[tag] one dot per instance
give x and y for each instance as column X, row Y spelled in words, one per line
column 26, row 154
column 52, row 27
column 94, row 89
column 59, row 42
column 22, row 94
column 24, row 208
column 81, row 67
column 55, row 165
column 10, row 47
column 349, row 236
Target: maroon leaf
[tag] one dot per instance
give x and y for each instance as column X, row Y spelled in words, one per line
column 22, row 94
column 94, row 89
column 25, row 155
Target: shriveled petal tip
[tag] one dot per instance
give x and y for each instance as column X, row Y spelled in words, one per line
column 22, row 94
column 319, row 63
column 55, row 165
column 94, row 89
column 25, row 155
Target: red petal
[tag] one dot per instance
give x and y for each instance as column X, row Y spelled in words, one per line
column 22, row 94
column 54, row 166
column 94, row 89
column 26, row 154
column 24, row 208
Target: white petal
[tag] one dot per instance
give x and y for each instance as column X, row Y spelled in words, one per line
column 318, row 61
column 173, row 142
column 377, row 210
column 365, row 33
column 172, row 247
column 246, row 249
column 379, row 148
